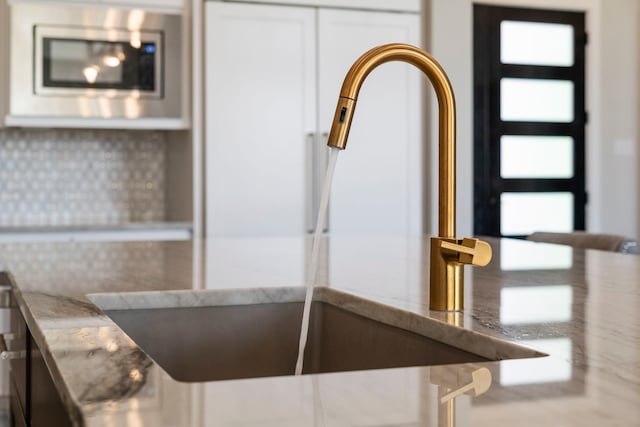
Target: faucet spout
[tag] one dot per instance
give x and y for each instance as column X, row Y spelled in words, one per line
column 448, row 254
column 446, row 113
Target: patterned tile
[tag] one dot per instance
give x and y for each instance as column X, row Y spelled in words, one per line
column 81, row 177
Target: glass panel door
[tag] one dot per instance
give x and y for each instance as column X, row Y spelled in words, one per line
column 536, row 43
column 523, row 156
column 536, row 100
column 524, row 213
column 529, row 119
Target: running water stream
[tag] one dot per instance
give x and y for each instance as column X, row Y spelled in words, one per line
column 315, row 252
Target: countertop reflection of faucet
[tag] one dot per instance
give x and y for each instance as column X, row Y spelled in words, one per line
column 448, row 253
column 454, row 381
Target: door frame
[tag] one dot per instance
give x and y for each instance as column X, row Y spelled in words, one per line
column 448, row 36
column 489, row 185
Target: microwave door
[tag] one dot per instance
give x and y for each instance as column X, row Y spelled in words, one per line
column 119, row 63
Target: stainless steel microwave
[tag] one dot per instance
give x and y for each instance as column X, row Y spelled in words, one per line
column 94, row 63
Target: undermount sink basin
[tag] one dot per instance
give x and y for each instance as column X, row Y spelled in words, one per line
column 246, row 333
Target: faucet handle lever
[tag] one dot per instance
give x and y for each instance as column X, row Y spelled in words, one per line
column 470, row 251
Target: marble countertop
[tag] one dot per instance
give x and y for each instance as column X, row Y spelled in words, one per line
column 580, row 307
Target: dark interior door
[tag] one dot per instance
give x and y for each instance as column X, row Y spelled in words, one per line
column 529, row 121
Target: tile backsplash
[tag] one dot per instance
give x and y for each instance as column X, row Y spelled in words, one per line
column 81, row 177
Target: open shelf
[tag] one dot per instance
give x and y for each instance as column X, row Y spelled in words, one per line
column 113, row 232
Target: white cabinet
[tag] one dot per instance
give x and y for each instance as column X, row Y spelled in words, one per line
column 273, row 74
column 170, row 6
column 377, row 183
column 260, row 104
column 388, row 5
column 4, row 60
column 166, row 6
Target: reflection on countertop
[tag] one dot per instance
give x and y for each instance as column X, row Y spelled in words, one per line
column 578, row 306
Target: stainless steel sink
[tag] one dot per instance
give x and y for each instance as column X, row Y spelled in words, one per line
column 232, row 334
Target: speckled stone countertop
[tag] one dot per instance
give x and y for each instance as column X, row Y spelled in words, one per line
column 580, row 307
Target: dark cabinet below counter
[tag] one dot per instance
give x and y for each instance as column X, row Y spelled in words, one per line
column 34, row 399
column 45, row 405
column 17, row 344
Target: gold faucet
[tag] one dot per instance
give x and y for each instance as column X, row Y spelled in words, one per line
column 448, row 253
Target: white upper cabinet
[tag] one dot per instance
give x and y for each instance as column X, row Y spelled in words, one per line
column 260, row 103
column 4, row 60
column 167, row 6
column 273, row 76
column 155, row 5
column 385, row 5
column 377, row 183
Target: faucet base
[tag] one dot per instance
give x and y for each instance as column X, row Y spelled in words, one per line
column 448, row 258
column 446, row 284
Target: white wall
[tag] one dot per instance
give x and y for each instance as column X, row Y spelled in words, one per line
column 4, row 65
column 448, row 37
column 619, row 132
column 612, row 132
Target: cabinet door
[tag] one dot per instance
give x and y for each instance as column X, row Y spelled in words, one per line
column 18, row 366
column 167, row 5
column 260, row 104
column 45, row 405
column 377, row 185
column 4, row 60
column 170, row 6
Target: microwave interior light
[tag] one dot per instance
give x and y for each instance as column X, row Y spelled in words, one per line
column 91, row 73
column 111, row 61
column 135, row 40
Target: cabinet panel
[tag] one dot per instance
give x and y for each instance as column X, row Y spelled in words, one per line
column 260, row 92
column 4, row 60
column 169, row 6
column 18, row 366
column 388, row 5
column 17, row 412
column 273, row 75
column 377, row 184
column 45, row 406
